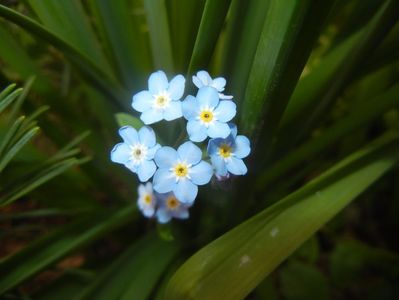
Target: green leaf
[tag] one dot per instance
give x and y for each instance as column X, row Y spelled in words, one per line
column 54, row 246
column 161, row 47
column 6, row 157
column 134, row 274
column 211, row 24
column 121, row 26
column 234, row 264
column 288, row 35
column 368, row 111
column 124, row 119
column 7, row 97
column 67, row 20
column 83, row 63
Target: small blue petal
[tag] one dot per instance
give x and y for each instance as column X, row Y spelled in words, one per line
column 204, row 77
column 176, row 87
column 166, row 157
column 131, row 166
column 196, row 131
column 129, row 135
column 145, row 170
column 219, row 83
column 189, row 153
column 236, row 166
column 157, row 82
column 190, row 108
column 208, row 96
column 185, row 191
column 147, row 136
column 164, row 181
column 201, row 173
column 213, row 145
column 142, row 101
column 151, row 151
column 197, row 82
column 242, row 146
column 233, row 129
column 120, row 153
column 163, row 215
column 219, row 165
column 151, row 116
column 173, row 111
column 218, row 130
column 225, row 111
column 181, row 213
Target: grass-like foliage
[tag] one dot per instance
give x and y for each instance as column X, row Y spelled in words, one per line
column 315, row 87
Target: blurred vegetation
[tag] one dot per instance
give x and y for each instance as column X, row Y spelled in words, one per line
column 317, row 86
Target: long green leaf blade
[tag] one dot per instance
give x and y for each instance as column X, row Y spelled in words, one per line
column 233, row 265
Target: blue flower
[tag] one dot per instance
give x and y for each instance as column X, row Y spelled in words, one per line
column 161, row 100
column 137, row 151
column 181, row 171
column 226, row 154
column 203, row 79
column 147, row 200
column 169, row 207
column 207, row 115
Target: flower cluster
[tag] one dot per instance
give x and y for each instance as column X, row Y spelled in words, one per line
column 177, row 173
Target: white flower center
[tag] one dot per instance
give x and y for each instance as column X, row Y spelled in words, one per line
column 161, row 100
column 206, row 116
column 138, row 153
column 181, row 170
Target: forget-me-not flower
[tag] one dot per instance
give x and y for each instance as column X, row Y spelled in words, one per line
column 169, row 207
column 147, row 201
column 162, row 99
column 137, row 151
column 181, row 171
column 207, row 115
column 227, row 154
column 203, row 79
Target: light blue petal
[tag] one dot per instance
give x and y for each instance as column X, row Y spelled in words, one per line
column 201, row 173
column 205, row 78
column 219, row 83
column 225, row 111
column 129, row 135
column 236, row 166
column 145, row 170
column 196, row 131
column 151, row 151
column 148, row 187
column 185, row 191
column 190, row 108
column 219, row 165
column 218, row 130
column 181, row 213
column 147, row 136
column 157, row 82
column 242, row 147
column 225, row 97
column 197, row 82
column 151, row 116
column 213, row 146
column 131, row 166
column 164, row 181
column 166, row 157
column 163, row 215
column 142, row 189
column 142, row 101
column 173, row 111
column 208, row 96
column 233, row 129
column 120, row 153
column 147, row 211
column 189, row 153
column 176, row 87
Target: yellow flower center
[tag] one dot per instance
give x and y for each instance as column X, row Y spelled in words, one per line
column 172, row 203
column 147, row 199
column 181, row 170
column 161, row 100
column 225, row 151
column 206, row 116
